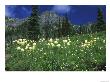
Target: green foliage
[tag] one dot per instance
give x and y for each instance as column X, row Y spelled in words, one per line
column 33, row 27
column 87, row 28
column 14, row 29
column 100, row 24
column 50, row 25
column 65, row 26
column 86, row 52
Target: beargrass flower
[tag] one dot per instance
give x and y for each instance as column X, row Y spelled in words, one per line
column 85, row 41
column 68, row 43
column 24, row 39
column 65, row 41
column 58, row 45
column 22, row 49
column 44, row 53
column 56, row 42
column 48, row 44
column 19, row 39
column 50, row 40
column 34, row 44
column 26, row 47
column 14, row 41
column 18, row 48
column 30, row 48
column 103, row 41
column 52, row 44
column 57, row 39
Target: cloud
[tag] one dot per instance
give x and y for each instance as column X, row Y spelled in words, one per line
column 9, row 10
column 17, row 11
column 61, row 8
column 25, row 9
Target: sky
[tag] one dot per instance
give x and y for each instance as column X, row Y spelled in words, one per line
column 77, row 14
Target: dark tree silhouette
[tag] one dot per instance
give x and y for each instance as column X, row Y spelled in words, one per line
column 65, row 26
column 33, row 28
column 100, row 24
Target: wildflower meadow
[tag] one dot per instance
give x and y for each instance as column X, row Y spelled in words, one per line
column 77, row 53
column 49, row 42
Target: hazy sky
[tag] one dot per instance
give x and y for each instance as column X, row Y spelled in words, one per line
column 77, row 14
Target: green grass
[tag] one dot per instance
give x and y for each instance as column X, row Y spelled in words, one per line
column 86, row 52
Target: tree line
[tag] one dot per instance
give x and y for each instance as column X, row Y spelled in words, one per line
column 50, row 25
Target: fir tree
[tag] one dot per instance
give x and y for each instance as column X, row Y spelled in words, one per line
column 33, row 28
column 66, row 26
column 100, row 24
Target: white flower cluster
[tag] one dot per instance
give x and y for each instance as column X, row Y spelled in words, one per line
column 42, row 39
column 67, row 41
column 20, row 41
column 57, row 43
column 89, row 43
column 53, row 43
column 24, row 44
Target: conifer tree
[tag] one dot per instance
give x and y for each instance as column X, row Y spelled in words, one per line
column 66, row 26
column 33, row 28
column 100, row 24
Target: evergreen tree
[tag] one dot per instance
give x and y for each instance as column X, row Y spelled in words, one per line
column 33, row 28
column 100, row 24
column 66, row 26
